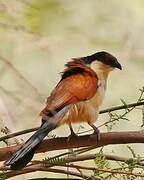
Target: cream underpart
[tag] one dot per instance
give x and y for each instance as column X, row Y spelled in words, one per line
column 87, row 111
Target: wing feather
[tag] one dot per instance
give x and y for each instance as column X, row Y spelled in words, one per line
column 72, row 89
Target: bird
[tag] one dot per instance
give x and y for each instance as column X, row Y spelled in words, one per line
column 76, row 98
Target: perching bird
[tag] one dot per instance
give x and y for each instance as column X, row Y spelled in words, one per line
column 76, row 98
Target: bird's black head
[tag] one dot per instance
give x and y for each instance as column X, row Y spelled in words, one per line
column 103, row 57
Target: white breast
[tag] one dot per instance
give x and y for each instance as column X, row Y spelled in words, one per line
column 95, row 103
column 97, row 100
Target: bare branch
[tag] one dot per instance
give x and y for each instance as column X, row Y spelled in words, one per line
column 122, row 107
column 35, row 168
column 86, row 157
column 18, row 133
column 81, row 141
column 111, row 171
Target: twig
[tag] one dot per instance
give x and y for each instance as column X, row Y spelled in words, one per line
column 122, row 107
column 18, row 133
column 86, row 157
column 81, row 141
column 35, row 168
column 111, row 171
column 123, row 159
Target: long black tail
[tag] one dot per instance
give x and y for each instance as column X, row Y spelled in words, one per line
column 24, row 155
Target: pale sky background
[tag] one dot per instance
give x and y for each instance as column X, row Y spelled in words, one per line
column 39, row 37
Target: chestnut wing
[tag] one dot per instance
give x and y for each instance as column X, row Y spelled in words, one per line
column 73, row 89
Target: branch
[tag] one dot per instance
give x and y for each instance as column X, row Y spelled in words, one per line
column 86, row 157
column 101, row 112
column 122, row 107
column 71, row 159
column 41, row 167
column 18, row 133
column 35, row 168
column 123, row 159
column 81, row 141
column 111, row 171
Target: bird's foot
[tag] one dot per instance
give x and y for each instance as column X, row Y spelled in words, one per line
column 96, row 134
column 72, row 136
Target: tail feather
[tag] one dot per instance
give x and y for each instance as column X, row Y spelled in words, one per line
column 22, row 162
column 24, row 155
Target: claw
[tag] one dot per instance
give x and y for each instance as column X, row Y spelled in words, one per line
column 95, row 135
column 96, row 132
column 73, row 134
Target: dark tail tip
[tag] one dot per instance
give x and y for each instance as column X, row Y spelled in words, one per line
column 21, row 163
column 24, row 155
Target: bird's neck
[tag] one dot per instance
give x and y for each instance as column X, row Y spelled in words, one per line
column 102, row 75
column 102, row 71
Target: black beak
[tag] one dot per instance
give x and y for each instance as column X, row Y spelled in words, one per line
column 118, row 65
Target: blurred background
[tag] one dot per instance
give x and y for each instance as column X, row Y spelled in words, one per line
column 38, row 37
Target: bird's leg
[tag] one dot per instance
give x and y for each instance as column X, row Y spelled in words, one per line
column 73, row 134
column 96, row 131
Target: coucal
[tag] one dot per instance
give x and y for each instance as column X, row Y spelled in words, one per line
column 76, row 98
